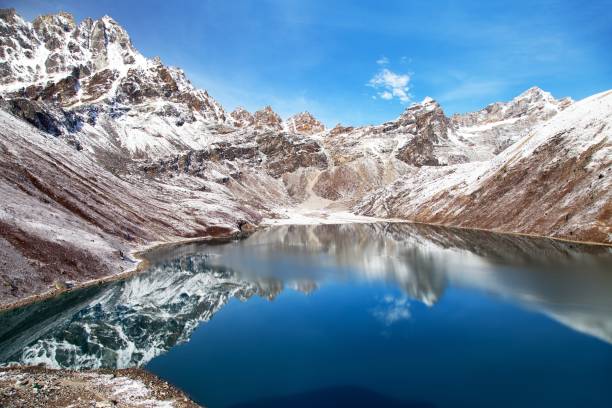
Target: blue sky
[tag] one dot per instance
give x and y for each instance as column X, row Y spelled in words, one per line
column 360, row 62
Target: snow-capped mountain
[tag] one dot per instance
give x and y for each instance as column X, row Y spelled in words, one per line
column 554, row 180
column 108, row 91
column 114, row 99
column 500, row 124
column 54, row 59
column 101, row 142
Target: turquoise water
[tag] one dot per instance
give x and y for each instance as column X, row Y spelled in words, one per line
column 394, row 315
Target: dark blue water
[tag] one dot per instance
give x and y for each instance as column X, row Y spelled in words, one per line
column 358, row 315
column 469, row 349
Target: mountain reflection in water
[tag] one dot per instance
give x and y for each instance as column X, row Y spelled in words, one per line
column 128, row 323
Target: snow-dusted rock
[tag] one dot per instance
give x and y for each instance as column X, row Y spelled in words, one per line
column 304, row 123
column 500, row 124
column 267, row 119
column 242, row 118
column 93, row 67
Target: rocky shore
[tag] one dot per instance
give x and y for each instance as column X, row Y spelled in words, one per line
column 34, row 387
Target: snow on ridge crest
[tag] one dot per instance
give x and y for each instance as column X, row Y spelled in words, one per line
column 55, row 60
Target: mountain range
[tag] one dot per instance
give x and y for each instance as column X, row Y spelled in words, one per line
column 104, row 151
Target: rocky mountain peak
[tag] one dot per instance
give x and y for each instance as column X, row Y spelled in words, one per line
column 266, row 118
column 427, row 126
column 304, row 123
column 535, row 93
column 62, row 20
column 428, row 100
column 54, row 45
column 531, row 106
column 55, row 60
column 242, row 117
column 417, row 113
column 532, row 96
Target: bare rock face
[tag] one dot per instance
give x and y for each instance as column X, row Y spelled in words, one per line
column 268, row 119
column 242, row 118
column 35, row 114
column 429, row 125
column 339, row 129
column 196, row 162
column 285, row 153
column 304, row 123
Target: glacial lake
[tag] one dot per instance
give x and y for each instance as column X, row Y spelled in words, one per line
column 376, row 315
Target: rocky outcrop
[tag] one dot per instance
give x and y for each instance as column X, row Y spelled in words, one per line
column 304, row 123
column 429, row 127
column 196, row 162
column 267, row 119
column 48, row 118
column 242, row 118
column 286, row 153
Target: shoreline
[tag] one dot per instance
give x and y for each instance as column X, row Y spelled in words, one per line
column 101, row 387
column 142, row 262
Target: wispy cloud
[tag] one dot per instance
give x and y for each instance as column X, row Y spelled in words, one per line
column 392, row 309
column 383, row 60
column 391, row 85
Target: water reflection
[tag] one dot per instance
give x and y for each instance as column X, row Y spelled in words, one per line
column 128, row 323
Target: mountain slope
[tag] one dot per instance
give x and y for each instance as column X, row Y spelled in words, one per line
column 555, row 181
column 63, row 216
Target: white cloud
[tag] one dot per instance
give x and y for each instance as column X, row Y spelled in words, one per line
column 382, row 60
column 392, row 309
column 391, row 85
